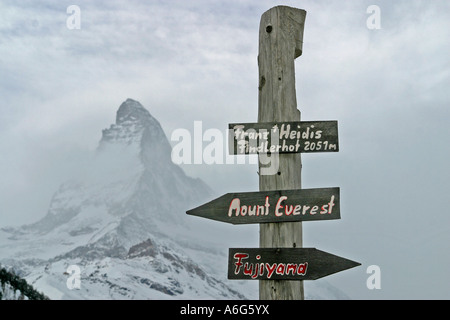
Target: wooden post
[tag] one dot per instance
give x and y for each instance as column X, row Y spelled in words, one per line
column 280, row 43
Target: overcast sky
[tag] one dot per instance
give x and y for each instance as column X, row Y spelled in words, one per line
column 189, row 61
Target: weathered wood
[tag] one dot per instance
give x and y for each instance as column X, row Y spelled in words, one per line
column 283, row 137
column 272, row 206
column 284, row 264
column 280, row 43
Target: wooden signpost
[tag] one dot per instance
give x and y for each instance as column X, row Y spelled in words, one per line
column 280, row 43
column 280, row 206
column 284, row 264
column 283, row 137
column 273, row 206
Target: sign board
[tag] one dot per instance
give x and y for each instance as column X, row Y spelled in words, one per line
column 284, row 264
column 272, row 206
column 283, row 137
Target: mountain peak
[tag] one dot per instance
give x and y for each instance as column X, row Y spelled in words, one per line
column 131, row 110
column 132, row 120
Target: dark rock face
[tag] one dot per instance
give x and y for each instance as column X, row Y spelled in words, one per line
column 143, row 249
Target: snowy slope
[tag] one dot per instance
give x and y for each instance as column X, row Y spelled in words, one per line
column 122, row 223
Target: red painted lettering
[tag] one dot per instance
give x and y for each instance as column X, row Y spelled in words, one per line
column 248, row 271
column 291, row 267
column 281, row 268
column 302, row 268
column 238, row 264
column 270, row 269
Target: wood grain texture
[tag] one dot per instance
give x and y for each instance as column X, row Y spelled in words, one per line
column 280, row 43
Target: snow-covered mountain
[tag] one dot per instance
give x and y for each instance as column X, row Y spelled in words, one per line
column 119, row 229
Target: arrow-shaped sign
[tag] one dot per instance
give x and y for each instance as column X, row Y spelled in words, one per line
column 272, row 206
column 283, row 137
column 284, row 264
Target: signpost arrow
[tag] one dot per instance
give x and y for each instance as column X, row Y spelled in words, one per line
column 284, row 264
column 283, row 137
column 272, row 206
